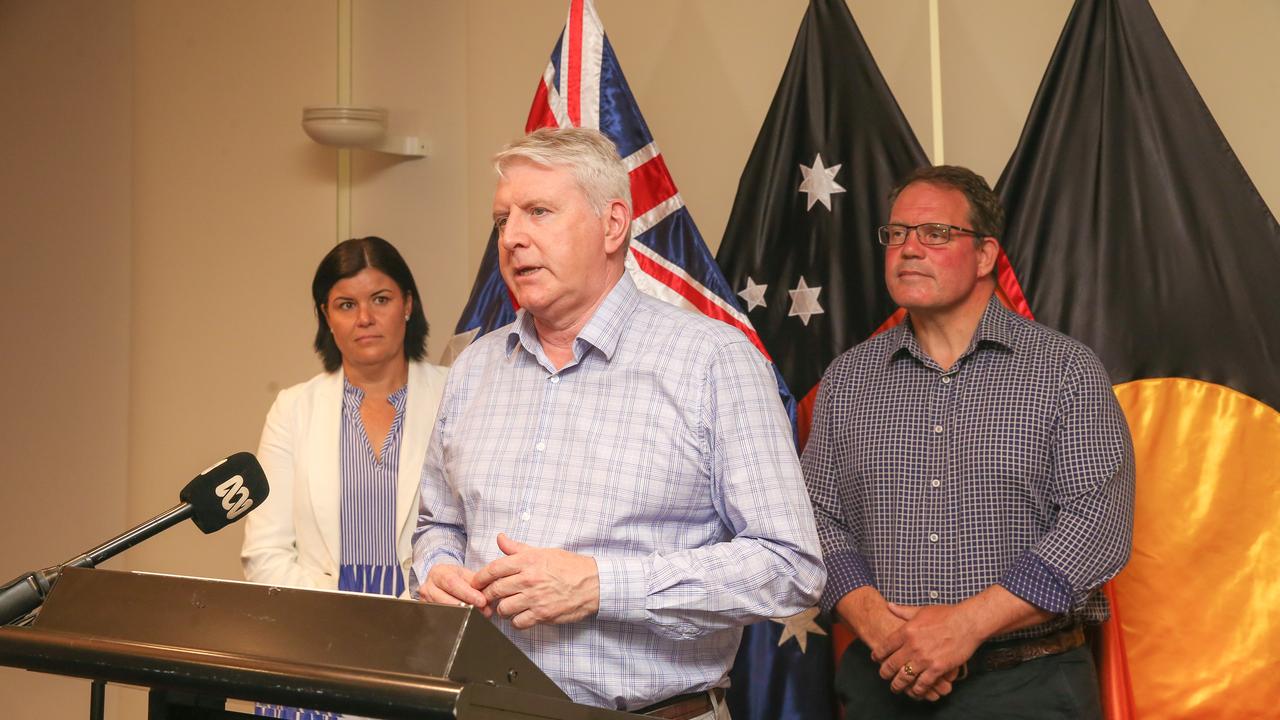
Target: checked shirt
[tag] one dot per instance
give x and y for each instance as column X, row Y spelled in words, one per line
column 1014, row 466
column 663, row 451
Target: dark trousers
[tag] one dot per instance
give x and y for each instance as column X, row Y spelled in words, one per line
column 1058, row 686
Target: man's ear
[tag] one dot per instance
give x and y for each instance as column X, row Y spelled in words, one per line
column 617, row 226
column 988, row 253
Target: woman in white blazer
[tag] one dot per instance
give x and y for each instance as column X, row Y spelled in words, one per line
column 329, row 444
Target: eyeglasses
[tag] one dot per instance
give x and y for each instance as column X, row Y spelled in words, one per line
column 928, row 233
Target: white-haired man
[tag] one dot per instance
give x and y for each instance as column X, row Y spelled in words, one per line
column 611, row 478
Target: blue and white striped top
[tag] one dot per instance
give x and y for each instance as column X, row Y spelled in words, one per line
column 368, row 515
column 368, row 510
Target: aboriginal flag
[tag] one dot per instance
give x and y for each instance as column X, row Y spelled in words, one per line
column 1134, row 228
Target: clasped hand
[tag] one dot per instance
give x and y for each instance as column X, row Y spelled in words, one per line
column 922, row 656
column 530, row 585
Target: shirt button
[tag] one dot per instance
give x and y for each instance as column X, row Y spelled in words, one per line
column 555, row 379
column 933, row 594
column 933, row 537
column 946, row 379
column 935, row 482
column 540, row 446
column 525, row 515
column 937, row 428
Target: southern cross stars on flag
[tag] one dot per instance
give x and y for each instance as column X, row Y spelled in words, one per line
column 819, row 184
column 800, row 249
column 800, row 246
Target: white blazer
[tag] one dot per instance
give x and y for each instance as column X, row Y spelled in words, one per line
column 294, row 538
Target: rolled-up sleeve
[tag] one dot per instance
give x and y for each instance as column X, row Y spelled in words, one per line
column 1092, row 484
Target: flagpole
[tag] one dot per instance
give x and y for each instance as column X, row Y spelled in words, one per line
column 344, row 98
column 935, row 79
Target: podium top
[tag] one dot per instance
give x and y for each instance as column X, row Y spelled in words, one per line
column 362, row 654
column 307, row 627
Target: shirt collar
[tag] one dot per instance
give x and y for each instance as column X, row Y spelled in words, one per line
column 602, row 332
column 995, row 328
column 353, row 396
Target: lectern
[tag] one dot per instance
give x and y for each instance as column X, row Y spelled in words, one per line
column 341, row 652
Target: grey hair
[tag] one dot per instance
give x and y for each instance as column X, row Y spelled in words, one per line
column 587, row 154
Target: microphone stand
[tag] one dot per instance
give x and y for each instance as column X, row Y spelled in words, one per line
column 23, row 594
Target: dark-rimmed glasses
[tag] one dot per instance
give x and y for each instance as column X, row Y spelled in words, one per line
column 928, row 233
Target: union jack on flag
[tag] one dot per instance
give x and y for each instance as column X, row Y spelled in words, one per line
column 583, row 86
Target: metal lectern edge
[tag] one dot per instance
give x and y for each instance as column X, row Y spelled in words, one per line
column 359, row 654
column 375, row 693
column 478, row 657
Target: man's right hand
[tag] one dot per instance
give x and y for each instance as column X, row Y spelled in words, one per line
column 867, row 613
column 451, row 585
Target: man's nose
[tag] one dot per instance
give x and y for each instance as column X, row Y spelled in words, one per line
column 912, row 247
column 512, row 233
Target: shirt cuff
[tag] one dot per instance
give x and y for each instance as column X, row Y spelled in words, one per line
column 1039, row 583
column 421, row 566
column 846, row 572
column 624, row 588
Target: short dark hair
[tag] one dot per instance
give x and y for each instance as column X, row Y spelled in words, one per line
column 347, row 259
column 986, row 216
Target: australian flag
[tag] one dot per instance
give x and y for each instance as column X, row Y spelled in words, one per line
column 583, row 86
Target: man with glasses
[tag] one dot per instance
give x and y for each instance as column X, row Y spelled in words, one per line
column 972, row 477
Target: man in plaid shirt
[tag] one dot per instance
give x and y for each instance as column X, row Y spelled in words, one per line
column 972, row 477
column 612, row 478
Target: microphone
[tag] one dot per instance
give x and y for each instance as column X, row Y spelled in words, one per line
column 222, row 494
column 214, row 499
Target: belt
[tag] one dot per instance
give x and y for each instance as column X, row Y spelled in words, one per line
column 1011, row 653
column 683, row 707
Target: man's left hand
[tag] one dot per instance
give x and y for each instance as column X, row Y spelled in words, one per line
column 534, row 585
column 935, row 641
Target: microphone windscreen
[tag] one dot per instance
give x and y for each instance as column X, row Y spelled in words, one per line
column 226, row 491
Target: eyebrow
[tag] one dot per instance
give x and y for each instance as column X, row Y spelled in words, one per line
column 372, row 294
column 529, row 202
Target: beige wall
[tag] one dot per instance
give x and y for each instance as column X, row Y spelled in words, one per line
column 416, row 204
column 164, row 211
column 66, row 80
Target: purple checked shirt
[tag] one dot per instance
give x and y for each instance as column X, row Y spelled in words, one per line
column 1014, row 466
